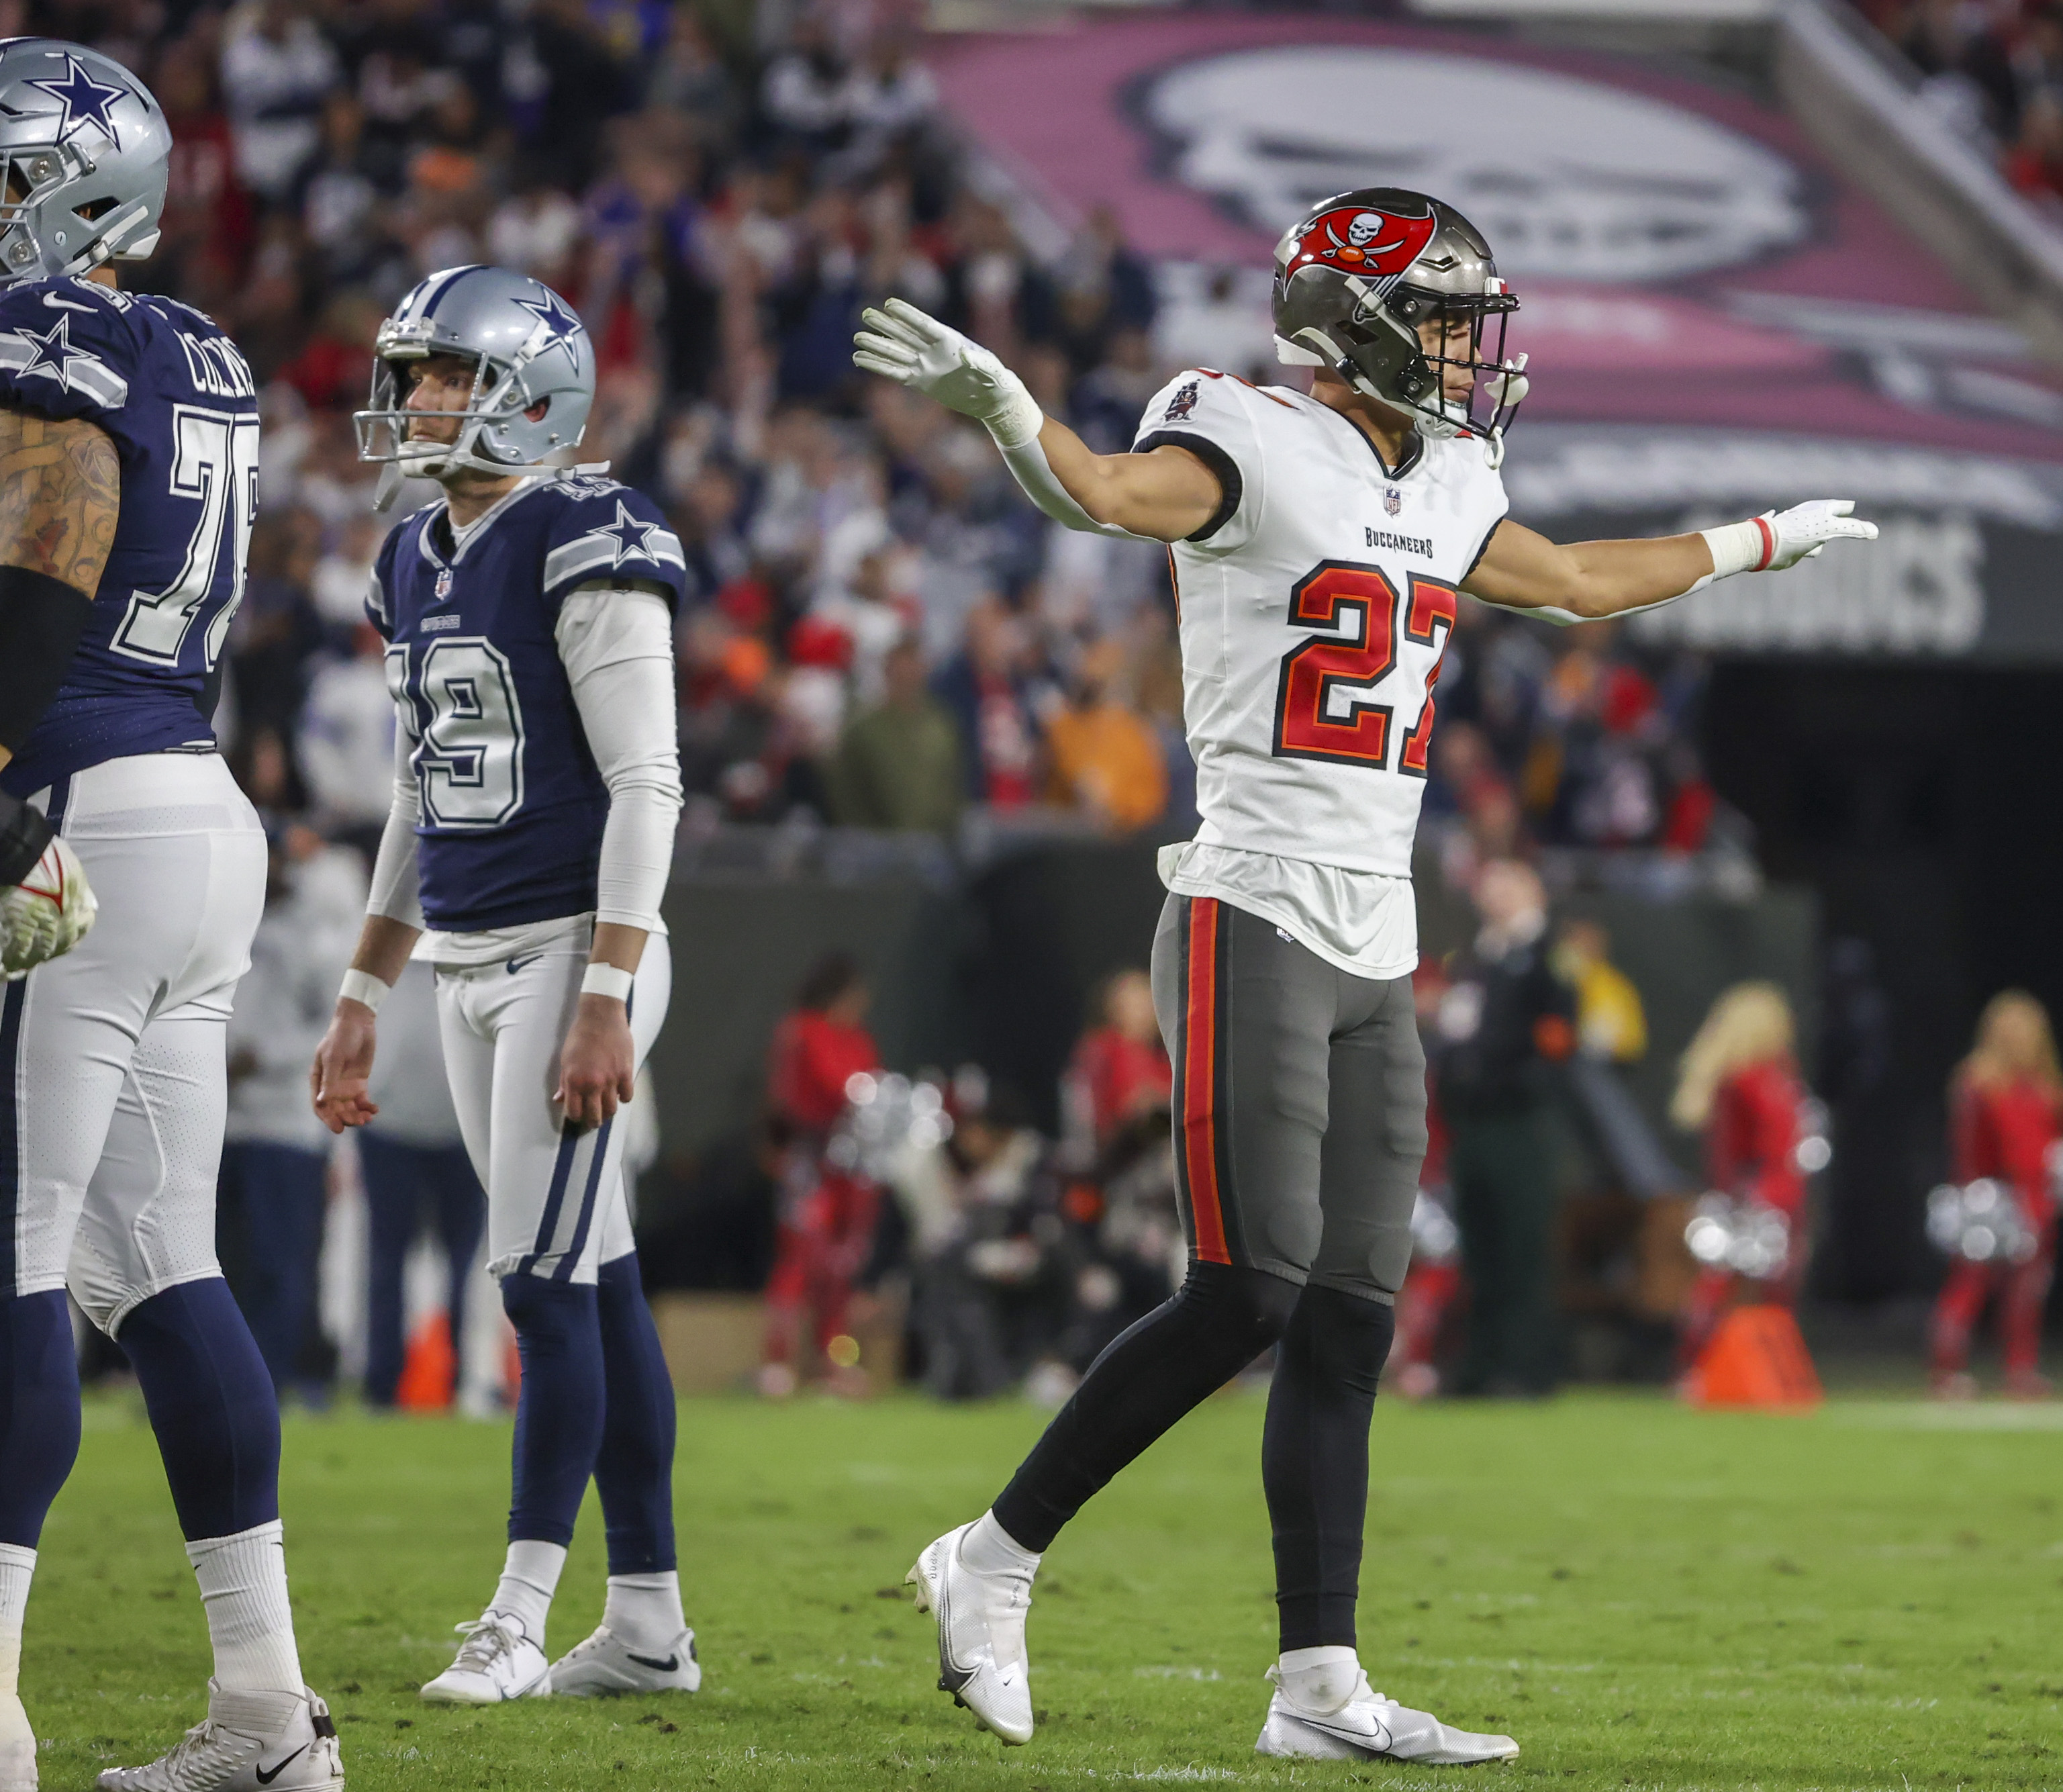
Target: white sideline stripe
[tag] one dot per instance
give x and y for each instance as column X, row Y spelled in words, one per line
column 1929, row 1416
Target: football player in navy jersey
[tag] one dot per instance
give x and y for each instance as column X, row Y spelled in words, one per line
column 529, row 618
column 128, row 485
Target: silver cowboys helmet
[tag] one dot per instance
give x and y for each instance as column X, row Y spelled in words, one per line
column 1356, row 276
column 532, row 380
column 83, row 156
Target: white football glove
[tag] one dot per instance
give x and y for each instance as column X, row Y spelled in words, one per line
column 1777, row 540
column 47, row 913
column 901, row 344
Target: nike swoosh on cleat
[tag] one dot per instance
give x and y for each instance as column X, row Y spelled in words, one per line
column 266, row 1778
column 671, row 1665
column 1359, row 1738
column 952, row 1677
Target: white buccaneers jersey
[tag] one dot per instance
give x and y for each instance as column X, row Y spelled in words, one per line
column 1315, row 608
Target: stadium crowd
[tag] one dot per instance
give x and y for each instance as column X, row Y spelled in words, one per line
column 881, row 632
column 1994, row 71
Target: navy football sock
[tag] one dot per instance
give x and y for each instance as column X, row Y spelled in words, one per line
column 211, row 1404
column 634, row 1471
column 38, row 1410
column 1314, row 1460
column 1172, row 1361
column 561, row 1410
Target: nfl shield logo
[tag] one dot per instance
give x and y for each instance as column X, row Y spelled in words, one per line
column 1393, row 501
column 444, row 581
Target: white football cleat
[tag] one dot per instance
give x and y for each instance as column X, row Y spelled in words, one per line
column 981, row 1636
column 249, row 1742
column 18, row 1746
column 1369, row 1727
column 497, row 1661
column 605, row 1664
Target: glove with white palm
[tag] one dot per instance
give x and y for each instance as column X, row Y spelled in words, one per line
column 1777, row 540
column 47, row 913
column 902, row 344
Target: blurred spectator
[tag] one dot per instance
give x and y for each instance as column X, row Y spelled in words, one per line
column 1504, row 1019
column 985, row 687
column 1104, row 759
column 1738, row 1083
column 1611, row 1023
column 1119, row 1074
column 994, row 1287
column 825, row 1225
column 346, row 741
column 277, row 71
column 899, row 764
column 2006, row 1116
column 415, row 1169
column 275, row 1158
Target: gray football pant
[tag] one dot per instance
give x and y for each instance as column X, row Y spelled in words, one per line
column 1299, row 1102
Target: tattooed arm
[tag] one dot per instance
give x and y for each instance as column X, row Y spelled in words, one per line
column 60, row 496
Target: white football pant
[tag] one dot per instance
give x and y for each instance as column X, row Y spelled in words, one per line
column 556, row 1202
column 113, row 1081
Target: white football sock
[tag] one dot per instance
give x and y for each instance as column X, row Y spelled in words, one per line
column 989, row 1549
column 644, row 1610
column 1320, row 1679
column 530, row 1577
column 244, row 1589
column 18, row 1567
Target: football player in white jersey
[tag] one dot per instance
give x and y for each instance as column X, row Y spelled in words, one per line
column 1318, row 542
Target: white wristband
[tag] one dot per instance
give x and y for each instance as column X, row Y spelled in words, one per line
column 1020, row 420
column 1741, row 547
column 607, row 980
column 363, row 986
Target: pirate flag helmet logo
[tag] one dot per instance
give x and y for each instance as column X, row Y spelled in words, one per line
column 1357, row 279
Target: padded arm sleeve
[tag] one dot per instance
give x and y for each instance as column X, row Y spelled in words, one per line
column 1034, row 473
column 396, row 890
column 618, row 647
column 41, row 620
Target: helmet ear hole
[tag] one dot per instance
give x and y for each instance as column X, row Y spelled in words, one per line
column 535, row 413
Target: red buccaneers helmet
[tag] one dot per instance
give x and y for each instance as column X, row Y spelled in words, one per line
column 1356, row 276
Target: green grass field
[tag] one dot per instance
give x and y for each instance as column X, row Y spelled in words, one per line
column 1644, row 1596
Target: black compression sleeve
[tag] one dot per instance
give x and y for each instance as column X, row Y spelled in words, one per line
column 23, row 835
column 41, row 620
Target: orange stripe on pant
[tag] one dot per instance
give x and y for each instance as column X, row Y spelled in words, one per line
column 1200, row 1059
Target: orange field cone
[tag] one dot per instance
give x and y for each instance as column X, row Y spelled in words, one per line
column 1757, row 1357
column 428, row 1368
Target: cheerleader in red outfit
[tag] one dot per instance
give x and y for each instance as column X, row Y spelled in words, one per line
column 1739, row 1084
column 1119, row 1073
column 2005, row 1110
column 827, row 1219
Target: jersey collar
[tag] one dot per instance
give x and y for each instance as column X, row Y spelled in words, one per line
column 440, row 517
column 1414, row 449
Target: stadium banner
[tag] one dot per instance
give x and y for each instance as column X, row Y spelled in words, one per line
column 1714, row 318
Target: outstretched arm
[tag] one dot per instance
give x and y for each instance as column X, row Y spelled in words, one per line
column 1584, row 582
column 1164, row 496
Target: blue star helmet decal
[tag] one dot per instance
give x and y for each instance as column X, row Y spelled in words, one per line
column 632, row 538
column 86, row 101
column 564, row 325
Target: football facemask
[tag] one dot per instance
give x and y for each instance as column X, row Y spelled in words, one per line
column 1391, row 291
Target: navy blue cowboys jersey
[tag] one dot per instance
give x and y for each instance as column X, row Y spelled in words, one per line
column 512, row 808
column 178, row 400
